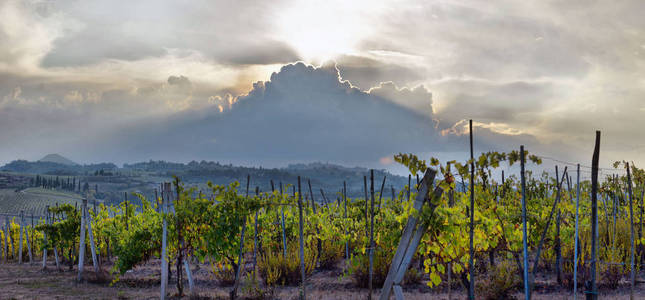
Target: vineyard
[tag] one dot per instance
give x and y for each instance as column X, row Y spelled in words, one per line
column 33, row 200
column 454, row 231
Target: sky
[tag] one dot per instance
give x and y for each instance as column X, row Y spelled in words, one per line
column 350, row 82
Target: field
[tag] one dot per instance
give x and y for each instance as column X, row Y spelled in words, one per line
column 291, row 238
column 30, row 281
column 33, row 200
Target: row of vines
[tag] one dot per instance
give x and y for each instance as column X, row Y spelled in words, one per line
column 210, row 228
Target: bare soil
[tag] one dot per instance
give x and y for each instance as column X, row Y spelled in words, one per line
column 31, row 282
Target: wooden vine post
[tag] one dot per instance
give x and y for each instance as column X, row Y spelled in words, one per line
column 22, row 227
column 558, row 242
column 575, row 247
column 81, row 246
column 127, row 224
column 546, row 229
column 367, row 218
column 345, row 218
column 33, row 231
column 6, row 239
column 380, row 194
column 4, row 232
column 164, row 240
column 255, row 237
column 593, row 293
column 88, row 220
column 318, row 240
column 408, row 196
column 302, row 244
column 29, row 246
column 284, row 234
column 180, row 243
column 44, row 266
column 51, row 220
column 371, row 245
column 631, row 223
column 527, row 292
column 409, row 241
column 471, row 263
column 238, row 270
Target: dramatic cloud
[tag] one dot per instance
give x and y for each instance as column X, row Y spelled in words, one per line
column 366, row 72
column 302, row 113
column 110, row 80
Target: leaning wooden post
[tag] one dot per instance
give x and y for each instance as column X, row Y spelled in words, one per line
column 471, row 263
column 406, row 238
column 631, row 222
column 527, row 291
column 31, row 259
column 164, row 240
column 575, row 249
column 302, row 244
column 157, row 205
column 22, row 227
column 558, row 243
column 88, row 220
column 371, row 245
column 311, row 193
column 325, row 200
column 233, row 293
column 380, row 194
column 593, row 294
column 318, row 240
column 548, row 223
column 81, row 247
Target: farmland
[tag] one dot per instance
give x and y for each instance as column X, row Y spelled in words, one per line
column 33, row 200
column 236, row 240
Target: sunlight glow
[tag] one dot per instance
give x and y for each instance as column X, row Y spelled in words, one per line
column 323, row 30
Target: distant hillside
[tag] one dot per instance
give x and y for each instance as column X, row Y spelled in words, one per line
column 54, row 168
column 57, row 158
column 144, row 177
column 327, row 176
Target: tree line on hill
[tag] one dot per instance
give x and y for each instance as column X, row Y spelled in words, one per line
column 67, row 184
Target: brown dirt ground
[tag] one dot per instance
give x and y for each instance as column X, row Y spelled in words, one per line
column 30, row 282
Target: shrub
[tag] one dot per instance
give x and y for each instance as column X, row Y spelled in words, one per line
column 332, row 253
column 413, row 276
column 359, row 268
column 499, row 282
column 225, row 274
column 275, row 269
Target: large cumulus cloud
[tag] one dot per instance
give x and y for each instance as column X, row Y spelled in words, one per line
column 302, row 113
